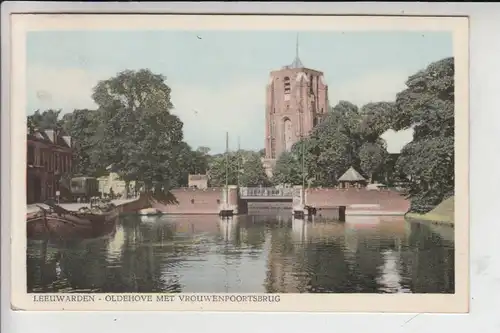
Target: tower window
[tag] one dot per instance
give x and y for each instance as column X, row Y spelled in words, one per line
column 273, row 148
column 287, row 84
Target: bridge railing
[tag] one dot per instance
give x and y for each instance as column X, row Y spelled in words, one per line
column 265, row 192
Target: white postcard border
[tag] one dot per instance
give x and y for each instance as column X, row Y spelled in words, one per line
column 288, row 302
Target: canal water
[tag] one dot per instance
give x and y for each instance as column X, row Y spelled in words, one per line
column 250, row 254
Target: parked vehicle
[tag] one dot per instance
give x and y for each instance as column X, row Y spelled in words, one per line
column 84, row 188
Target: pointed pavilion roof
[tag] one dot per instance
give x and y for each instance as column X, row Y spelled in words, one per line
column 351, row 175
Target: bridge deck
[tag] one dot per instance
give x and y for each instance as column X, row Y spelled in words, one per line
column 266, row 193
column 268, row 198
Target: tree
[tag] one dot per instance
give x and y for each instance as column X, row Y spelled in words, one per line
column 253, row 173
column 427, row 105
column 189, row 162
column 372, row 157
column 222, row 166
column 287, row 170
column 341, row 141
column 83, row 125
column 348, row 117
column 334, row 142
column 46, row 120
column 140, row 136
column 375, row 120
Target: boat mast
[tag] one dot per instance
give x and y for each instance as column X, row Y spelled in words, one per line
column 227, row 159
column 303, row 163
column 239, row 163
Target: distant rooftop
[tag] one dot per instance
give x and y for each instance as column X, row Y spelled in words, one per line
column 51, row 136
column 198, row 177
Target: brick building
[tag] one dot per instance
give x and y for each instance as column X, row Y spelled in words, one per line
column 49, row 157
column 296, row 101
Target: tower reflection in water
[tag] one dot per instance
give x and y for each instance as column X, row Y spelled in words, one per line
column 249, row 254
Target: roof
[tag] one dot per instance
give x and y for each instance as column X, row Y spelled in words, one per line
column 51, row 137
column 351, row 175
column 297, row 63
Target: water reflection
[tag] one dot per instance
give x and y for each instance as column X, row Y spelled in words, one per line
column 250, row 254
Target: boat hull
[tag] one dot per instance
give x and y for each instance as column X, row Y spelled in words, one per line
column 68, row 226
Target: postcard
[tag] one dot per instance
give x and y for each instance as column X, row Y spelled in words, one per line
column 239, row 163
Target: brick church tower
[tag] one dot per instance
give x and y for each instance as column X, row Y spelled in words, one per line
column 296, row 100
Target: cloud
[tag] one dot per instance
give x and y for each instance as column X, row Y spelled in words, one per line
column 208, row 112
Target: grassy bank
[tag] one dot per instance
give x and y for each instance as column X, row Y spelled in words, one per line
column 442, row 213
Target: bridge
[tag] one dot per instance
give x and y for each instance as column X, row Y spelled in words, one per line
column 238, row 199
column 246, row 195
column 267, row 193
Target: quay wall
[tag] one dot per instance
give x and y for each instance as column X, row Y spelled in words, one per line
column 192, row 201
column 134, row 205
column 358, row 201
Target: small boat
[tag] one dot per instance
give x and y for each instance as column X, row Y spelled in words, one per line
column 150, row 212
column 57, row 222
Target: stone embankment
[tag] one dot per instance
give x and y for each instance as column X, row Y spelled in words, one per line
column 357, row 201
column 191, row 201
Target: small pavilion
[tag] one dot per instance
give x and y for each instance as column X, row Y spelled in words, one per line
column 352, row 178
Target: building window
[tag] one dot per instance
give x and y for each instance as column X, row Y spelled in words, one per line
column 45, row 161
column 287, row 85
column 273, row 148
column 31, row 155
column 287, row 132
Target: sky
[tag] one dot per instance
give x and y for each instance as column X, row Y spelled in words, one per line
column 218, row 82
